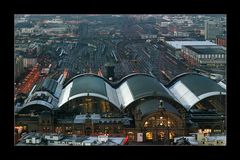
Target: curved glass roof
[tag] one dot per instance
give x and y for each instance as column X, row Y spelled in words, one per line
column 190, row 88
column 88, row 84
column 130, row 88
column 85, row 85
column 186, row 89
column 142, row 85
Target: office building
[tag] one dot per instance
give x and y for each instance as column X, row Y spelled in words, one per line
column 211, row 30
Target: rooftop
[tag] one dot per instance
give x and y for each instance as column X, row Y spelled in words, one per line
column 179, row 44
column 207, row 49
column 190, row 88
column 88, row 84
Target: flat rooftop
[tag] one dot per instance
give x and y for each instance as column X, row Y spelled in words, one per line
column 207, row 49
column 179, row 44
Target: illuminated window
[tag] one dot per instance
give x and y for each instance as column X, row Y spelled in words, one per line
column 160, row 121
column 169, row 123
column 171, row 135
column 131, row 135
column 217, row 130
column 146, row 124
column 19, row 129
column 161, row 135
column 149, row 135
column 204, row 131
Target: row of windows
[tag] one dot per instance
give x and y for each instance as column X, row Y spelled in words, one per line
column 211, row 56
column 160, row 121
column 97, row 128
column 189, row 52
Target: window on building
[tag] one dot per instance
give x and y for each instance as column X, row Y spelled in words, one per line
column 171, row 135
column 149, row 135
column 160, row 121
column 131, row 135
column 161, row 135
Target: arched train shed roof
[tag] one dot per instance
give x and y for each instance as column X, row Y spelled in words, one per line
column 87, row 85
column 139, row 86
column 190, row 88
column 186, row 89
column 129, row 89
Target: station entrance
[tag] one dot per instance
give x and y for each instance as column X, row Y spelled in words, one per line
column 162, row 128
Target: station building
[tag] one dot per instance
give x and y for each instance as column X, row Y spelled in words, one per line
column 137, row 105
column 203, row 55
column 174, row 48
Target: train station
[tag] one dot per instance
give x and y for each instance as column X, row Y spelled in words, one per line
column 136, row 105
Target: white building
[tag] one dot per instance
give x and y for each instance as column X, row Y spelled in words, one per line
column 174, row 47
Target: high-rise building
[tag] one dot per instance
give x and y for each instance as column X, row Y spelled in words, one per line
column 211, row 30
column 18, row 66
